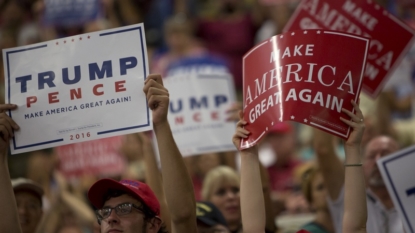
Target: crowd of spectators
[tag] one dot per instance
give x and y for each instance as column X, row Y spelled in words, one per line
column 292, row 182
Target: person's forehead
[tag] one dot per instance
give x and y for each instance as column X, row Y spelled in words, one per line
column 226, row 183
column 381, row 143
column 125, row 198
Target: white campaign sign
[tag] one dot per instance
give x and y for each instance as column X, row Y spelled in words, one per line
column 398, row 173
column 197, row 113
column 78, row 88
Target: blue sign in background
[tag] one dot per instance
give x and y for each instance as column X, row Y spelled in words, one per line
column 70, row 12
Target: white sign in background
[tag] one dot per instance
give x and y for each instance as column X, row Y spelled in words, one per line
column 101, row 96
column 197, row 113
column 398, row 174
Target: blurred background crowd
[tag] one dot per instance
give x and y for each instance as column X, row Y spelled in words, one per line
column 186, row 29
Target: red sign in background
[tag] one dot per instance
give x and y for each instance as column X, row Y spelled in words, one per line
column 98, row 157
column 390, row 37
column 303, row 76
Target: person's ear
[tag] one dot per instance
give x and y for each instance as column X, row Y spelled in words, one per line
column 154, row 225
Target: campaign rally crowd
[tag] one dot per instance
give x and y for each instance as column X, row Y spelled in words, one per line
column 297, row 179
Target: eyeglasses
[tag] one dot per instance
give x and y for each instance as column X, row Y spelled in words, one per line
column 120, row 210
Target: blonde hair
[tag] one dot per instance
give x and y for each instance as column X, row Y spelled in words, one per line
column 216, row 177
column 308, row 177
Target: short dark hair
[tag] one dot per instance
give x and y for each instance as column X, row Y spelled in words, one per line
column 148, row 213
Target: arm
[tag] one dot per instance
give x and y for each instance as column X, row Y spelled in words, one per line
column 330, row 164
column 79, row 207
column 153, row 179
column 258, row 13
column 9, row 221
column 75, row 203
column 50, row 220
column 110, row 14
column 252, row 199
column 383, row 114
column 269, row 211
column 355, row 211
column 176, row 181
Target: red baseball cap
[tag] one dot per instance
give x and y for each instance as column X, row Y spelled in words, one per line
column 135, row 188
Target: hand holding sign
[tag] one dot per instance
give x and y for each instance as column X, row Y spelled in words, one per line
column 158, row 98
column 357, row 123
column 66, row 87
column 7, row 125
column 363, row 18
column 240, row 131
column 304, row 76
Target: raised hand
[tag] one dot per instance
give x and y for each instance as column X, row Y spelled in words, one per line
column 357, row 124
column 252, row 197
column 242, row 133
column 233, row 112
column 7, row 125
column 355, row 210
column 10, row 220
column 157, row 97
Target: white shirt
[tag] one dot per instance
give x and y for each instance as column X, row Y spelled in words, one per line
column 379, row 219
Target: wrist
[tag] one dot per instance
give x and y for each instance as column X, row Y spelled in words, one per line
column 161, row 124
column 3, row 157
column 250, row 152
column 352, row 146
column 354, row 158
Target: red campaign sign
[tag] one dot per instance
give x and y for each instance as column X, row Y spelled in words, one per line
column 411, row 23
column 98, row 157
column 304, row 76
column 390, row 37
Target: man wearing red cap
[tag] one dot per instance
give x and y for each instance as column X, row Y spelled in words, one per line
column 130, row 206
column 127, row 206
